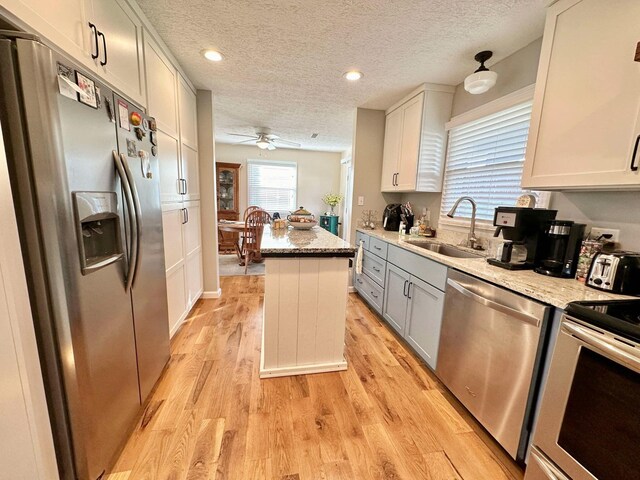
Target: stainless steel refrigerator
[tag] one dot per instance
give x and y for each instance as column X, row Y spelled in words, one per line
column 85, row 180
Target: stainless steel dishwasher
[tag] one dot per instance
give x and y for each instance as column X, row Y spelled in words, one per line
column 490, row 348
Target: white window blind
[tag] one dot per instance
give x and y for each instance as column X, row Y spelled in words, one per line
column 272, row 185
column 485, row 158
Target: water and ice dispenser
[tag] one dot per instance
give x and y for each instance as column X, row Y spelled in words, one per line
column 98, row 226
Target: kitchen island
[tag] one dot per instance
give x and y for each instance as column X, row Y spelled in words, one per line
column 305, row 302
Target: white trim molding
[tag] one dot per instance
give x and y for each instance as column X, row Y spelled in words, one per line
column 514, row 98
column 209, row 295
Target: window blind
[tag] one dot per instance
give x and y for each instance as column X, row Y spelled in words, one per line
column 272, row 185
column 485, row 158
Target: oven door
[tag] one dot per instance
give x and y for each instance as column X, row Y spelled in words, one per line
column 589, row 424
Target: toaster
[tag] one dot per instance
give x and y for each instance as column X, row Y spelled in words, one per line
column 615, row 272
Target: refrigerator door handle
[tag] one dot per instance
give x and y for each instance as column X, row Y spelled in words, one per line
column 137, row 213
column 133, row 227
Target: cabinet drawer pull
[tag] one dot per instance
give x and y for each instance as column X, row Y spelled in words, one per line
column 634, row 157
column 104, row 61
column 359, row 281
column 377, row 247
column 471, row 392
column 95, row 40
column 374, row 295
column 376, row 269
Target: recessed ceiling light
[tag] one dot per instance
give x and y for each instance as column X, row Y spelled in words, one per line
column 213, row 55
column 353, row 75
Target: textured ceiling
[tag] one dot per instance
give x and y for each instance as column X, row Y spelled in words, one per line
column 285, row 58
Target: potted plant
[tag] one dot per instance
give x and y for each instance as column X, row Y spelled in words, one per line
column 333, row 200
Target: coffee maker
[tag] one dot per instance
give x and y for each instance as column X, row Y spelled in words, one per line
column 521, row 229
column 560, row 248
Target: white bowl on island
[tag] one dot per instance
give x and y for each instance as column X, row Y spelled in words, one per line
column 307, row 225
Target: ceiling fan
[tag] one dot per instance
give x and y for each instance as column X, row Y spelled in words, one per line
column 265, row 140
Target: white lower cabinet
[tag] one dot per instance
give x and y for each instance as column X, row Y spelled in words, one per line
column 176, row 297
column 183, row 258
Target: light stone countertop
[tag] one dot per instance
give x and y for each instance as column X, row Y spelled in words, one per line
column 316, row 242
column 554, row 291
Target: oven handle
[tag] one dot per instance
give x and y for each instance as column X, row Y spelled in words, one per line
column 525, row 317
column 613, row 348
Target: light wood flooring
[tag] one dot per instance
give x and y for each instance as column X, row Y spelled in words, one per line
column 386, row 417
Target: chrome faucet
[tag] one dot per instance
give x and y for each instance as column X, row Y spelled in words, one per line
column 472, row 240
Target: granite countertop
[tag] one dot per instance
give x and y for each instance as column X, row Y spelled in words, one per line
column 554, row 291
column 316, row 242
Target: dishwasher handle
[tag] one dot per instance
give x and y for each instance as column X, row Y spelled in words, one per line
column 520, row 315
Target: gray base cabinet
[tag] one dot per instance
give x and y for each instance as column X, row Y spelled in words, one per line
column 406, row 289
column 395, row 298
column 423, row 320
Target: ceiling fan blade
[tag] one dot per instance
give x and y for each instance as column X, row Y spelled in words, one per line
column 241, row 135
column 271, row 147
column 272, row 136
column 251, row 140
column 286, row 142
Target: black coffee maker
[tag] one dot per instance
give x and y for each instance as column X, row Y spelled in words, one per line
column 560, row 248
column 522, row 227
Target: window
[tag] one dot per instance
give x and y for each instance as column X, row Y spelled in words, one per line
column 485, row 157
column 272, row 185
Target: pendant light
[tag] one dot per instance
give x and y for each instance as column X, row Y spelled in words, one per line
column 482, row 79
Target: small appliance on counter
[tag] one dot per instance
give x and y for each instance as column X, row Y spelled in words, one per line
column 615, row 272
column 391, row 217
column 560, row 248
column 521, row 229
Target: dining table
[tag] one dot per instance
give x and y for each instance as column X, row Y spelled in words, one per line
column 235, row 226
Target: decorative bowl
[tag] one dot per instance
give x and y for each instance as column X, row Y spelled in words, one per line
column 308, row 225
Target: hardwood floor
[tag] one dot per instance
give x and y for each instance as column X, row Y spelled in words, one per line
column 386, row 417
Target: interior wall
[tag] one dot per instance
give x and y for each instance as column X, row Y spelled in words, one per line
column 208, row 211
column 318, row 172
column 366, row 157
column 595, row 208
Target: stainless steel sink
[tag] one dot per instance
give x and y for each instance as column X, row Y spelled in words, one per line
column 446, row 250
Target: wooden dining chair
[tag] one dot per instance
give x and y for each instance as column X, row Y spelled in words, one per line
column 251, row 208
column 252, row 236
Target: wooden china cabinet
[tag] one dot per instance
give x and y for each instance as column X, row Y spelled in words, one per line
column 227, row 178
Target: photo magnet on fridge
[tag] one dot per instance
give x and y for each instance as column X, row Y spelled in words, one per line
column 88, row 87
column 64, row 86
column 123, row 114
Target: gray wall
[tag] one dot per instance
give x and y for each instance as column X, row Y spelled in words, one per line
column 613, row 209
column 208, row 213
column 368, row 141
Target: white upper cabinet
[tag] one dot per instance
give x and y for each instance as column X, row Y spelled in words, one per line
column 188, row 114
column 585, row 123
column 414, row 141
column 162, row 87
column 120, row 46
column 391, row 152
column 62, row 22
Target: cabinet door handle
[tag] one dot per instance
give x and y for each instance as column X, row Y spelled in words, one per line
column 104, row 60
column 95, row 41
column 409, row 291
column 183, row 184
column 184, row 216
column 404, row 289
column 186, row 211
column 634, row 157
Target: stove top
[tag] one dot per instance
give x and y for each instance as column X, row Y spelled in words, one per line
column 621, row 317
